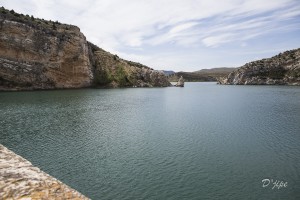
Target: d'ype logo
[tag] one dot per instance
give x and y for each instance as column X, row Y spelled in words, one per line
column 274, row 183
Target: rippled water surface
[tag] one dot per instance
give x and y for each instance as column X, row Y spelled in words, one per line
column 203, row 141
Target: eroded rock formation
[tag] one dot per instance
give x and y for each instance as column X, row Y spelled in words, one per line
column 282, row 69
column 112, row 71
column 40, row 54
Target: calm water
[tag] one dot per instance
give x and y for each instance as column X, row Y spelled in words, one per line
column 203, row 141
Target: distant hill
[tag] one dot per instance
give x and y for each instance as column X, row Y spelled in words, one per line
column 203, row 75
column 168, row 72
column 221, row 70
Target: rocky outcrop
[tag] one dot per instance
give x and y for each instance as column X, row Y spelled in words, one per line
column 112, row 71
column 180, row 82
column 40, row 54
column 19, row 179
column 36, row 54
column 282, row 69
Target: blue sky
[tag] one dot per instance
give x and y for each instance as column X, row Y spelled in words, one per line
column 179, row 35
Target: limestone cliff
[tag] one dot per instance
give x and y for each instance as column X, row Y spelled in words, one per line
column 282, row 69
column 40, row 54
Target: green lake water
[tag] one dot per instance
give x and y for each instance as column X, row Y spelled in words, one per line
column 203, row 141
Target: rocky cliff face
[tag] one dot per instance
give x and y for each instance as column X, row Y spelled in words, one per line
column 39, row 54
column 112, row 71
column 282, row 69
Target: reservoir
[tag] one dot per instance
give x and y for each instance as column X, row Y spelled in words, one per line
column 203, row 141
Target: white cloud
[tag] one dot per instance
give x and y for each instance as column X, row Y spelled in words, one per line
column 214, row 41
column 182, row 27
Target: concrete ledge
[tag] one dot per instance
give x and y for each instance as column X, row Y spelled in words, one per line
column 19, row 179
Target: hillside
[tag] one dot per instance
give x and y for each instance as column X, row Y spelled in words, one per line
column 282, row 69
column 203, row 75
column 40, row 54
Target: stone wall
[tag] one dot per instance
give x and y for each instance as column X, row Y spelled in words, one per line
column 19, row 179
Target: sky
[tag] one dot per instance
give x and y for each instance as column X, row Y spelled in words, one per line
column 179, row 35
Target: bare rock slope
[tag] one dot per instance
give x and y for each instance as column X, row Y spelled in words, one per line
column 40, row 54
column 282, row 69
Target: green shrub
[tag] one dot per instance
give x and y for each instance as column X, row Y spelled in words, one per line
column 121, row 76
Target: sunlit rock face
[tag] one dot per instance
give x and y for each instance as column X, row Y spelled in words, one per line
column 180, row 82
column 40, row 54
column 282, row 69
column 43, row 56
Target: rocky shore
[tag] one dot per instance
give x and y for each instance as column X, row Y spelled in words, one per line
column 282, row 69
column 40, row 54
column 19, row 179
